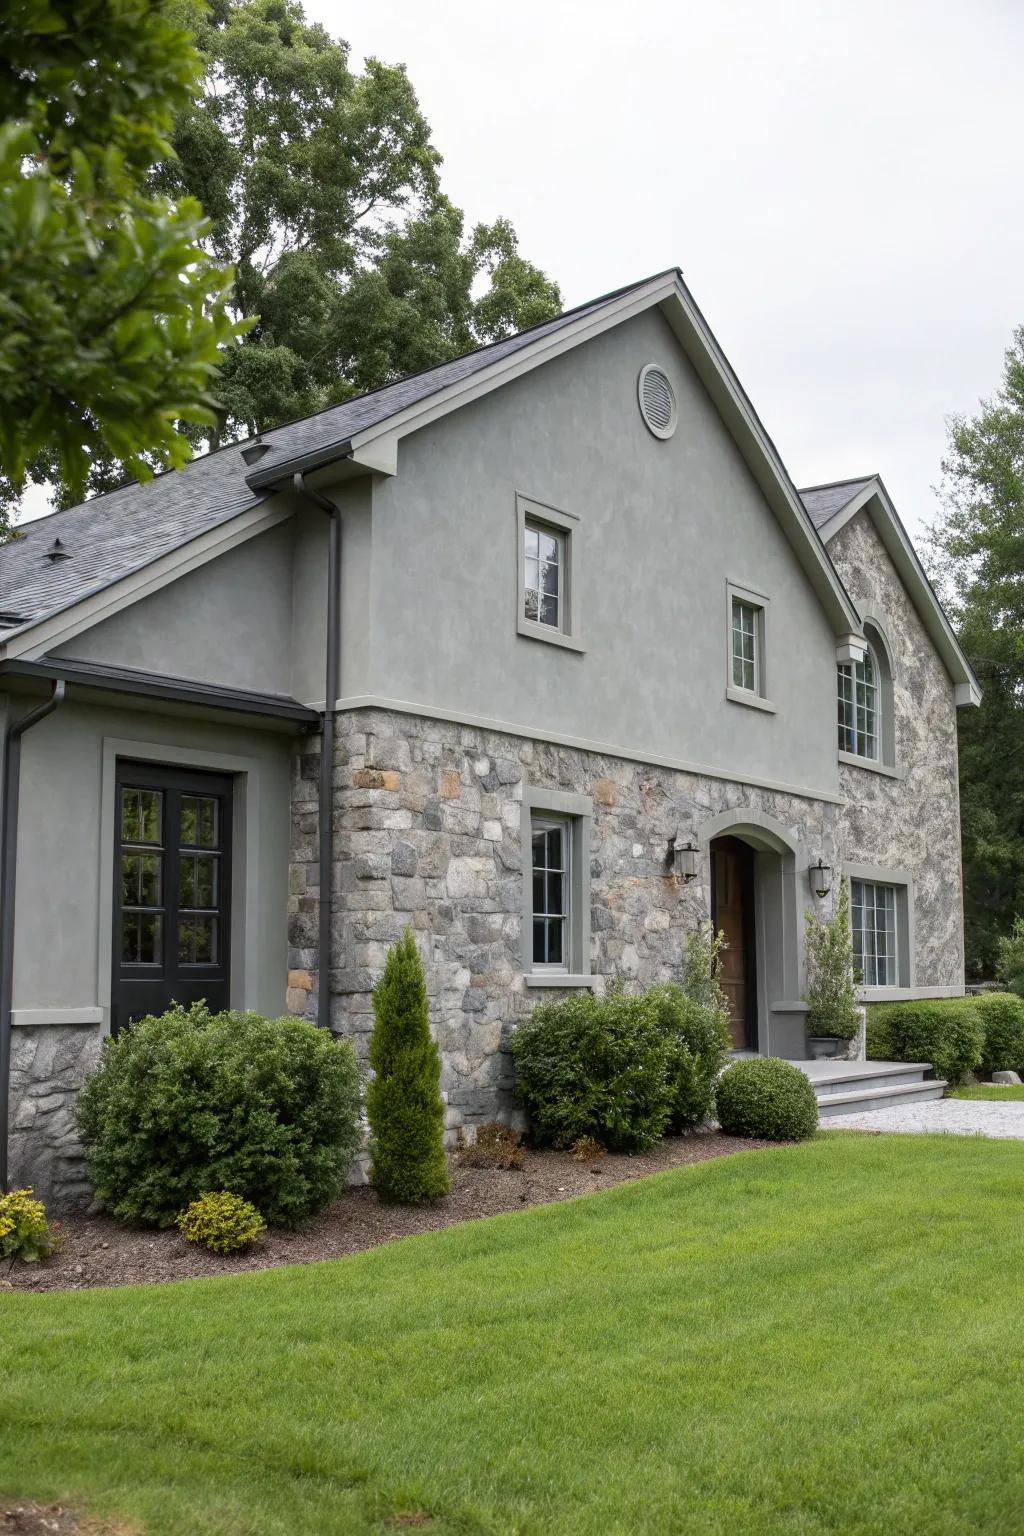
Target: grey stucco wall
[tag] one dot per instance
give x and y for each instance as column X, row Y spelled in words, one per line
column 63, row 933
column 228, row 622
column 662, row 526
column 911, row 822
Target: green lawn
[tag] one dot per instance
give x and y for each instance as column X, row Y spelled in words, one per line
column 990, row 1091
column 823, row 1339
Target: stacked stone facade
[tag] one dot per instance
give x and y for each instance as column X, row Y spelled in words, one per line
column 427, row 819
column 48, row 1065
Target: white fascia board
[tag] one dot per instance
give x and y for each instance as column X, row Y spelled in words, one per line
column 886, row 522
column 35, row 640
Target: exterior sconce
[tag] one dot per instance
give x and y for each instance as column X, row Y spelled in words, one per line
column 821, row 878
column 685, row 858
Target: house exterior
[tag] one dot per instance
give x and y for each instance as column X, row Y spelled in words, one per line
column 540, row 651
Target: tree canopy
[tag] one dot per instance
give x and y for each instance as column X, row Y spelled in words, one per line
column 113, row 316
column 977, row 555
column 322, row 188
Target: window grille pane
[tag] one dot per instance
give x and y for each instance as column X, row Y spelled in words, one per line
column 197, row 940
column 532, row 544
column 141, row 815
column 198, row 880
column 532, row 605
column 549, row 611
column 141, row 938
column 198, row 822
column 549, row 547
column 141, row 879
column 549, row 578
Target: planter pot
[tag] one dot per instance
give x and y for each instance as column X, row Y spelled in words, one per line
column 825, row 1047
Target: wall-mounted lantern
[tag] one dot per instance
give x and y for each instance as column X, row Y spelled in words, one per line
column 821, row 878
column 685, row 857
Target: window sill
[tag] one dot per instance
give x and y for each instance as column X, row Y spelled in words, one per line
column 534, row 631
column 752, row 700
column 557, row 979
column 852, row 761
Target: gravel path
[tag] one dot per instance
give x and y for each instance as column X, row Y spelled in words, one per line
column 960, row 1117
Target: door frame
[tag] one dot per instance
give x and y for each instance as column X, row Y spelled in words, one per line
column 246, row 773
column 174, row 783
column 748, row 898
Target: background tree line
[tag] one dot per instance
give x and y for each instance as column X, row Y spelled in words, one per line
column 234, row 153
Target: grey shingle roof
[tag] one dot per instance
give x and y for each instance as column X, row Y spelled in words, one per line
column 824, row 501
column 112, row 536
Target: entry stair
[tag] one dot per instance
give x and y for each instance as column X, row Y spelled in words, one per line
column 857, row 1087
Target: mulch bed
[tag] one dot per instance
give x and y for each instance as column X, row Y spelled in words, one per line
column 99, row 1251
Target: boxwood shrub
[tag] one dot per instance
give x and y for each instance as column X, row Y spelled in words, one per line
column 766, row 1097
column 1002, row 1022
column 588, row 1066
column 698, row 1040
column 193, row 1102
column 946, row 1031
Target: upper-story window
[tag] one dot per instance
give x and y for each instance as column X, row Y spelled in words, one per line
column 543, row 586
column 858, row 707
column 867, row 725
column 547, row 574
column 747, row 617
column 745, row 659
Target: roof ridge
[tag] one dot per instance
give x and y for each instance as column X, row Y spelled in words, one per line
column 830, row 485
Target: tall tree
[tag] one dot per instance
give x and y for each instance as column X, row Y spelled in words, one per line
column 977, row 554
column 323, row 189
column 112, row 314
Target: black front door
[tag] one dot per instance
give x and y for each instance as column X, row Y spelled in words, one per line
column 172, row 887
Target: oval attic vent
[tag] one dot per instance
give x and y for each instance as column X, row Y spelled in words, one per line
column 657, row 400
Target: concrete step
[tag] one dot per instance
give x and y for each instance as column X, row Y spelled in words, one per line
column 860, row 1101
column 853, row 1077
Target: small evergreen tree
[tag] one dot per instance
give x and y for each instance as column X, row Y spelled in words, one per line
column 830, row 996
column 403, row 1102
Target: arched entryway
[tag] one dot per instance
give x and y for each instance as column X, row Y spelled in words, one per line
column 753, row 867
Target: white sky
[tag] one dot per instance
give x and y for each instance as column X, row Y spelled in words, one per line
column 840, row 182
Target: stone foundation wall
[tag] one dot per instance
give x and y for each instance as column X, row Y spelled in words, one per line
column 427, row 821
column 48, row 1065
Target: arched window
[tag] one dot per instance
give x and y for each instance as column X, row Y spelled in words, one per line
column 858, row 707
column 865, row 694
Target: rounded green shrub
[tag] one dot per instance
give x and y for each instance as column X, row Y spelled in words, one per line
column 588, row 1066
column 221, row 1221
column 1002, row 1022
column 25, row 1233
column 767, row 1097
column 698, row 1041
column 945, row 1031
column 195, row 1101
column 403, row 1102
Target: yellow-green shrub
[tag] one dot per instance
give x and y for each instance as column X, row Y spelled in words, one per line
column 221, row 1221
column 25, row 1232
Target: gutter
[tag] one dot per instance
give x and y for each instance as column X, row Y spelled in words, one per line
column 297, row 466
column 11, row 786
column 177, row 690
column 326, row 786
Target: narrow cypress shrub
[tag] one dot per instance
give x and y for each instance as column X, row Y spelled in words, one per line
column 403, row 1102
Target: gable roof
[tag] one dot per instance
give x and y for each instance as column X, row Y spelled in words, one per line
column 832, row 506
column 112, row 539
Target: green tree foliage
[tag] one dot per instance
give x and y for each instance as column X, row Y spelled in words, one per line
column 403, row 1102
column 830, row 996
column 112, row 315
column 322, row 187
column 977, row 557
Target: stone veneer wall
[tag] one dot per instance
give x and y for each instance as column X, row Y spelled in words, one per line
column 48, row 1065
column 427, row 818
column 912, row 822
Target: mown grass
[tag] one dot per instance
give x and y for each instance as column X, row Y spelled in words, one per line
column 995, row 1091
column 816, row 1339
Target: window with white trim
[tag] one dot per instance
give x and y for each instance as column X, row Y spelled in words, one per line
column 858, row 688
column 552, row 883
column 544, row 565
column 873, row 909
column 746, row 648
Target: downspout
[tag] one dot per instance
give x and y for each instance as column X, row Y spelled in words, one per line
column 326, row 808
column 11, row 785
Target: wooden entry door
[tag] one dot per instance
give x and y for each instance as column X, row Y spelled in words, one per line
column 732, row 911
column 172, row 891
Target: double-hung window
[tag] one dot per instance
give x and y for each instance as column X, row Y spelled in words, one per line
column 747, row 618
column 873, row 910
column 547, row 574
